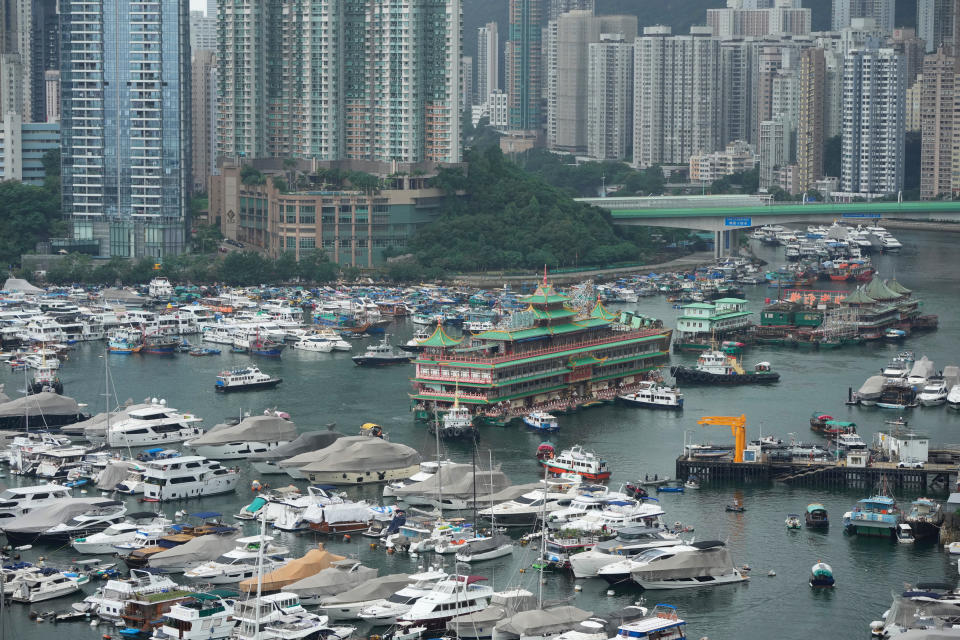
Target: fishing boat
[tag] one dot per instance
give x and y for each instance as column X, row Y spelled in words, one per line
column 821, row 575
column 545, row 451
column 245, row 379
column 124, row 341
column 925, row 518
column 816, row 516
column 203, row 351
column 874, row 516
column 541, row 421
column 159, row 344
column 716, row 367
column 653, row 395
column 260, row 346
column 793, row 521
column 577, row 460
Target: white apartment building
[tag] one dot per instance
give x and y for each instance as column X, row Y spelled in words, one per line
column 488, row 61
column 609, row 98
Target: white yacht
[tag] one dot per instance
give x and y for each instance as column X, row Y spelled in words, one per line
column 428, row 469
column 617, row 515
column 101, row 515
column 525, row 510
column 44, row 587
column 151, row 425
column 280, row 616
column 254, row 434
column 699, row 564
column 218, row 334
column 42, row 329
column 313, row 342
column 629, row 542
column 160, row 287
column 241, row 563
column 934, row 392
column 389, row 610
column 18, row 501
column 335, row 339
column 186, row 477
column 953, row 398
column 654, row 395
column 202, row 617
column 109, row 601
column 454, row 596
column 347, row 605
column 105, row 541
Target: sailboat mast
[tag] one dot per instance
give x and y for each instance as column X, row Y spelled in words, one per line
column 543, row 538
column 263, row 530
column 436, row 431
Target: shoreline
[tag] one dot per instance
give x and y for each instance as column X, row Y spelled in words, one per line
column 920, row 225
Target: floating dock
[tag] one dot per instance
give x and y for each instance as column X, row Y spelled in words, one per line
column 933, row 477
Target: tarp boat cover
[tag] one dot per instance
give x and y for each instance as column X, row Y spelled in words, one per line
column 373, row 589
column 923, row 368
column 344, row 575
column 39, row 405
column 357, row 453
column 311, row 442
column 114, row 473
column 713, row 560
column 872, row 386
column 315, row 561
column 200, row 549
column 252, row 429
column 951, row 376
column 21, row 285
column 334, row 513
column 540, row 622
column 457, row 480
column 50, row 515
column 483, row 545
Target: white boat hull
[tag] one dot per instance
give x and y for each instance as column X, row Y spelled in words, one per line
column 348, row 611
column 215, row 486
column 120, row 439
column 732, row 578
column 265, row 467
column 588, row 563
column 361, row 476
column 499, row 552
column 100, row 547
column 65, row 590
column 234, row 450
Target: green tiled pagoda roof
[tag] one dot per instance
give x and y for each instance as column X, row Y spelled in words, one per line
column 544, row 314
column 878, row 290
column 545, row 294
column 599, row 311
column 537, row 332
column 896, row 287
column 440, row 339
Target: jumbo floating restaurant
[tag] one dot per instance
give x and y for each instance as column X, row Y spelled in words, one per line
column 552, row 358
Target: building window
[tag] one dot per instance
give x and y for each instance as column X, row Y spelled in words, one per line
column 291, row 216
column 308, row 214
column 308, row 243
column 291, row 242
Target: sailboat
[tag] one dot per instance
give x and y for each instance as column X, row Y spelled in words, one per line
column 496, row 545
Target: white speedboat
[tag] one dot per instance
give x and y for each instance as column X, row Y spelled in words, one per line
column 953, row 398
column 335, row 340
column 20, row 500
column 314, row 343
column 934, row 392
column 485, row 548
column 390, row 609
column 152, row 425
column 186, row 477
column 98, row 517
column 629, row 542
column 103, row 542
column 45, row 587
column 241, row 563
column 347, row 605
column 528, row 508
column 254, row 434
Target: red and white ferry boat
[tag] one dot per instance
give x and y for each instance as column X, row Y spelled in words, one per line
column 576, row 460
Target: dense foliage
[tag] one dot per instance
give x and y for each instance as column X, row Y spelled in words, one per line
column 589, row 179
column 513, row 219
column 29, row 214
column 235, row 268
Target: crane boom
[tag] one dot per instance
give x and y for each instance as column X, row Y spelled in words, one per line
column 738, row 427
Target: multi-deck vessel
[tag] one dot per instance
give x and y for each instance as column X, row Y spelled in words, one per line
column 552, row 357
column 186, row 477
column 245, row 379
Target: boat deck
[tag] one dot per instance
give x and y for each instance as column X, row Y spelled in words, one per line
column 933, row 477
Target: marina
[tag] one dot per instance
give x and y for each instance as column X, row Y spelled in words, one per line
column 323, row 388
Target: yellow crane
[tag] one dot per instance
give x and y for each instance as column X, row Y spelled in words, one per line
column 738, row 426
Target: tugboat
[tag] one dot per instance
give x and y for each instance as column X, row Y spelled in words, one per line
column 45, row 380
column 381, row 354
column 456, row 423
column 821, row 575
column 245, row 379
column 716, row 367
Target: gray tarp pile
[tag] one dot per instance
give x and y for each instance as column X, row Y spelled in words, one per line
column 502, row 604
column 50, row 515
column 456, row 480
column 311, row 442
column 19, row 284
column 923, row 368
column 540, row 622
column 343, row 575
column 39, row 405
column 198, row 550
column 252, row 429
column 712, row 560
column 373, row 589
column 357, row 453
column 334, row 513
column 114, row 473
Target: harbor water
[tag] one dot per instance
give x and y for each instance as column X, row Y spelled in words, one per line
column 319, row 389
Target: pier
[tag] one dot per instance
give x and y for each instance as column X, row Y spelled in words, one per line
column 932, row 477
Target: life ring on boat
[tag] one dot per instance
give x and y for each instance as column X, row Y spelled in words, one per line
column 457, row 431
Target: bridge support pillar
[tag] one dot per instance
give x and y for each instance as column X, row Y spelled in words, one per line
column 726, row 243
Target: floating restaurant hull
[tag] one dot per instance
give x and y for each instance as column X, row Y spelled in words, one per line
column 555, row 359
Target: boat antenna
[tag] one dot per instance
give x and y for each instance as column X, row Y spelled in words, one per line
column 263, row 529
column 543, row 538
column 436, row 431
column 473, row 456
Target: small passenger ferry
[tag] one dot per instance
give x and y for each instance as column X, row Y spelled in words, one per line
column 577, row 460
column 245, row 379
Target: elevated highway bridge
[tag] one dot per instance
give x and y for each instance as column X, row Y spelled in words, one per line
column 726, row 216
